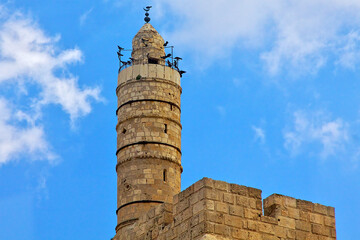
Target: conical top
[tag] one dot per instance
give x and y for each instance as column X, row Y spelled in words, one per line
column 148, row 46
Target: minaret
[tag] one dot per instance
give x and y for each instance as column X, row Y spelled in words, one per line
column 148, row 130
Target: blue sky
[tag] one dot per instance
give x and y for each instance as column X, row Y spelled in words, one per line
column 270, row 100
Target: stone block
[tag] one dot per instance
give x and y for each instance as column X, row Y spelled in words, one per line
column 268, row 219
column 252, row 214
column 251, row 225
column 305, row 205
column 208, row 193
column 160, row 71
column 281, row 232
column 229, row 198
column 198, row 207
column 233, row 221
column 266, row 228
column 286, row 222
column 215, row 217
column 220, row 185
column 316, row 218
column 269, row 237
column 239, row 234
column 222, row 207
column 205, row 182
column 302, row 225
column 329, row 221
column 254, row 236
column 321, row 209
column 254, row 193
column 144, row 70
column 238, row 189
column 242, row 201
column 321, row 230
column 129, row 73
column 223, row 230
column 236, row 211
column 167, row 73
column 331, row 211
column 136, row 71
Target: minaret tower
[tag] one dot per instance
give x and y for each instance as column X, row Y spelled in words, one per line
column 148, row 129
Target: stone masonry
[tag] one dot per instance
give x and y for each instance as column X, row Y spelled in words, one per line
column 150, row 205
column 216, row 210
column 148, row 131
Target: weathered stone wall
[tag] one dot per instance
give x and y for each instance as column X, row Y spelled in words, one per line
column 216, row 210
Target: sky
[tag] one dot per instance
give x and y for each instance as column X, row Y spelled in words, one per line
column 270, row 100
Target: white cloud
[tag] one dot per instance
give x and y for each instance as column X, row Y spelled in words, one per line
column 16, row 140
column 259, row 134
column 350, row 52
column 296, row 35
column 310, row 129
column 29, row 59
column 85, row 16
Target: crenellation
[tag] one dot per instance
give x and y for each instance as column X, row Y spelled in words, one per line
column 195, row 214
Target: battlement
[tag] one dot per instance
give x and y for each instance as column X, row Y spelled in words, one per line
column 215, row 210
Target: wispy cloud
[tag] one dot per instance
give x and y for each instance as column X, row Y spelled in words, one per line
column 259, row 134
column 221, row 110
column 85, row 16
column 293, row 36
column 29, row 59
column 350, row 52
column 310, row 129
column 17, row 139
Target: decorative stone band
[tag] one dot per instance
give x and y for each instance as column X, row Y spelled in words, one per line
column 147, row 80
column 148, row 116
column 148, row 71
column 146, row 100
column 133, row 202
column 153, row 110
column 149, row 89
column 148, row 142
column 125, row 223
column 149, row 156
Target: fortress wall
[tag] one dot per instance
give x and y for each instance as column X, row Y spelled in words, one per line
column 216, row 210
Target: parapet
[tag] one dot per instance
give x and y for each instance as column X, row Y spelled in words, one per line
column 216, row 210
column 149, row 72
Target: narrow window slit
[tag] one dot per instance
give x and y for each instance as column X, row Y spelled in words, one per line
column 164, row 175
column 124, row 130
column 165, row 128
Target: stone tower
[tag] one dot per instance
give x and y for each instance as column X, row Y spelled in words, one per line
column 148, row 130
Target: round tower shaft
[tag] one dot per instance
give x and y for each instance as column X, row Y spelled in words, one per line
column 148, row 130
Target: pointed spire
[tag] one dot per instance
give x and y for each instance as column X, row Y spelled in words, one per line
column 148, row 46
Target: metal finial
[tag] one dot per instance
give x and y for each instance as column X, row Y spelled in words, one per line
column 147, row 9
